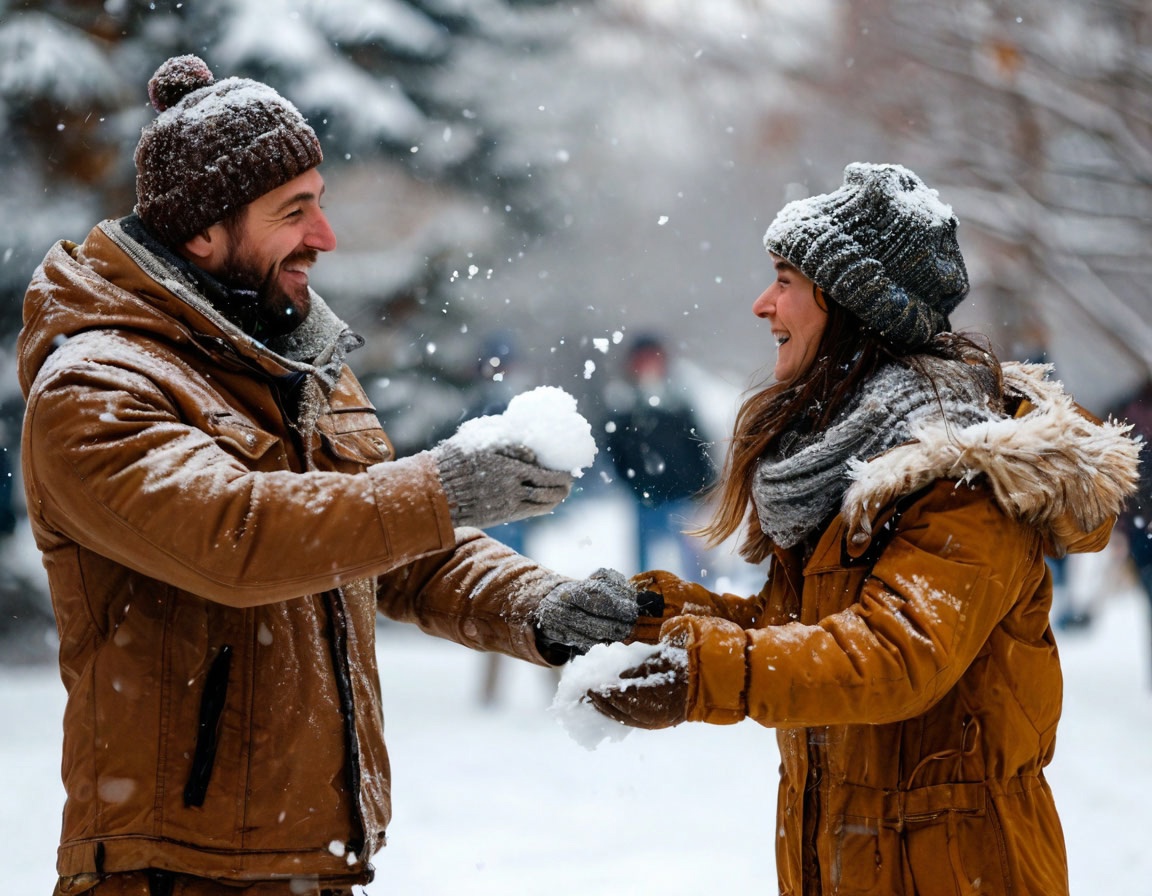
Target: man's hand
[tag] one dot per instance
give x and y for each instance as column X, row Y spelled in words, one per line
column 653, row 694
column 600, row 609
column 489, row 486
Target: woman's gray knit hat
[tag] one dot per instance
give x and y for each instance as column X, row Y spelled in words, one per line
column 883, row 246
column 214, row 147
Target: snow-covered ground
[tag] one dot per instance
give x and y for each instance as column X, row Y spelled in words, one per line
column 499, row 800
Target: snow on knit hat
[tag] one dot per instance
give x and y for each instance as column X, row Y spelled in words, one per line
column 214, row 147
column 883, row 246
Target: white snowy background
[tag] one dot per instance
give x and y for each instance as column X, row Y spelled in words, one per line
column 498, row 799
column 672, row 130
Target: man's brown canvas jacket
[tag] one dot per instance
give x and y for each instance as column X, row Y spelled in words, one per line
column 220, row 525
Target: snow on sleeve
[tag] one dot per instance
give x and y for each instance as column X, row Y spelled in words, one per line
column 599, row 667
column 545, row 420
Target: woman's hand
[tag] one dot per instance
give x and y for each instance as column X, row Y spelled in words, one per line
column 653, row 694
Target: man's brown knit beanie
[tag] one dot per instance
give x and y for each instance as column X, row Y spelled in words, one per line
column 214, row 147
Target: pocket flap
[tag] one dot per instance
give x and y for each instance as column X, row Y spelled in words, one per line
column 355, row 435
column 239, row 436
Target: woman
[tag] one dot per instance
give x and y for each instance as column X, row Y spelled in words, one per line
column 906, row 487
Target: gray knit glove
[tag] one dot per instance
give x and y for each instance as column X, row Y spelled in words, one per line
column 601, row 609
column 489, row 486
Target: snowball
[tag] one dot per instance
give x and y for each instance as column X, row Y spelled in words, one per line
column 599, row 666
column 544, row 420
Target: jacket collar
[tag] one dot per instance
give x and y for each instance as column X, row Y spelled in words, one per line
column 318, row 346
column 1051, row 464
column 233, row 304
column 116, row 281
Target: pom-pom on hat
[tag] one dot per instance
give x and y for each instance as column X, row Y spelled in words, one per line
column 883, row 246
column 214, row 147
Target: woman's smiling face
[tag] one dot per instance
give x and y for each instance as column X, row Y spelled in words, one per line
column 796, row 309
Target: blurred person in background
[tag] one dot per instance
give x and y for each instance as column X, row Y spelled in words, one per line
column 27, row 629
column 221, row 518
column 906, row 487
column 8, row 442
column 1070, row 610
column 658, row 450
column 1137, row 517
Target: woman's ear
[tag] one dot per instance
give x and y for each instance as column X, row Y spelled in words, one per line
column 818, row 295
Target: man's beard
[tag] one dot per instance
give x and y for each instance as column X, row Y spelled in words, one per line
column 261, row 307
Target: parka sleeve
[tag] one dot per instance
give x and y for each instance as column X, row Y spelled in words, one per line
column 111, row 466
column 482, row 594
column 954, row 569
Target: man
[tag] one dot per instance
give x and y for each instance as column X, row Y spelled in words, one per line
column 221, row 516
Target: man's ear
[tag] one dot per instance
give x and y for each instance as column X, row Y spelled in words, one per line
column 206, row 249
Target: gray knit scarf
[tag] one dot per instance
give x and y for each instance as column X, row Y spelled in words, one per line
column 798, row 488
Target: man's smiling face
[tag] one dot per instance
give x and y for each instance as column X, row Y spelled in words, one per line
column 269, row 248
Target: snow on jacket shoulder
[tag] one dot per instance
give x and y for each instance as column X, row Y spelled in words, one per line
column 216, row 579
column 908, row 664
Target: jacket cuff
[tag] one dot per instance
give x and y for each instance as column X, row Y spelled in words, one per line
column 717, row 667
column 426, row 524
column 676, row 597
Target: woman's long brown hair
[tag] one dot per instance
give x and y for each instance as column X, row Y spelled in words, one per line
column 846, row 357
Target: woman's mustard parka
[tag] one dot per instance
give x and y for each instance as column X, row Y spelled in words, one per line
column 907, row 661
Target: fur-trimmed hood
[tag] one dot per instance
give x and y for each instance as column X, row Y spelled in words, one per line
column 1050, row 465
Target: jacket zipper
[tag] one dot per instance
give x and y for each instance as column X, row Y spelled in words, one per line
column 208, row 730
column 338, row 641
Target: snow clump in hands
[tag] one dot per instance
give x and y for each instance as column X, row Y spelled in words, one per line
column 600, row 667
column 544, row 420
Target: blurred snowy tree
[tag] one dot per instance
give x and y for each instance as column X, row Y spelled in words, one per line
column 1034, row 117
column 373, row 77
column 573, row 169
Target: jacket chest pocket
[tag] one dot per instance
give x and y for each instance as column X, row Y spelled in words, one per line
column 353, row 438
column 835, row 573
column 830, row 583
column 829, row 592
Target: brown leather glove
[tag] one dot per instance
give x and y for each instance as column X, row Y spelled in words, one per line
column 651, row 695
